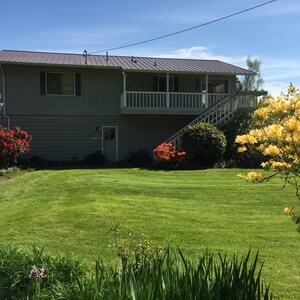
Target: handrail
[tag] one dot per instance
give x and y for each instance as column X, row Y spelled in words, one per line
column 213, row 115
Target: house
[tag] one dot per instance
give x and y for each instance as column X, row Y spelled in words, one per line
column 75, row 104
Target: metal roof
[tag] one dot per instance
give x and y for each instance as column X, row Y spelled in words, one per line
column 125, row 63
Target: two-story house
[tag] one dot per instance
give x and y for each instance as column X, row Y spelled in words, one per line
column 75, row 104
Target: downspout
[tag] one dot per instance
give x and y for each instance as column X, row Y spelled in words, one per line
column 4, row 97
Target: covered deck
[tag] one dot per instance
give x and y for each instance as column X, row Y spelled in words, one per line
column 173, row 94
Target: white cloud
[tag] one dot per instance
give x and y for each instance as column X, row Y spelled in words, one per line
column 200, row 52
column 278, row 73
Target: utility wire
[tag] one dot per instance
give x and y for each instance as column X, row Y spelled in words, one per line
column 185, row 30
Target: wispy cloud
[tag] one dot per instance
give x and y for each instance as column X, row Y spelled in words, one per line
column 283, row 8
column 91, row 36
column 176, row 16
column 200, row 52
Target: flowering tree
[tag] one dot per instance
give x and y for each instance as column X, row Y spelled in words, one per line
column 13, row 144
column 277, row 137
column 166, row 155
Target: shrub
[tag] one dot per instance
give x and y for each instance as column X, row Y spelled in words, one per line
column 166, row 156
column 36, row 162
column 95, row 158
column 240, row 123
column 204, row 144
column 140, row 158
column 14, row 143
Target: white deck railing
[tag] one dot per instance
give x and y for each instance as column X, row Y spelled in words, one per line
column 172, row 100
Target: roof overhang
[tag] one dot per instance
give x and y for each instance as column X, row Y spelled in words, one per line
column 123, row 63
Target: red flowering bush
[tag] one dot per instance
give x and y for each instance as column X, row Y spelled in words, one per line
column 13, row 144
column 166, row 155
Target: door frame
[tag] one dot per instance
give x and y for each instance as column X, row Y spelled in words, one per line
column 117, row 140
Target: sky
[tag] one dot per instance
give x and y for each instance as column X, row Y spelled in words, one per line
column 269, row 33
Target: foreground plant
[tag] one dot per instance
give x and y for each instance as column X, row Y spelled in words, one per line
column 277, row 137
column 161, row 275
column 36, row 275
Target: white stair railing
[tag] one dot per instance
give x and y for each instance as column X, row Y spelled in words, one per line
column 217, row 114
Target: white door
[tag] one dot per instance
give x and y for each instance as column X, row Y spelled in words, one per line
column 110, row 143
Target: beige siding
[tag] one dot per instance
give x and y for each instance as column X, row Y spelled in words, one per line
column 65, row 138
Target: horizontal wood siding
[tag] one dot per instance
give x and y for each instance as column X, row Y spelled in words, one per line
column 100, row 93
column 147, row 132
column 68, row 127
column 66, row 138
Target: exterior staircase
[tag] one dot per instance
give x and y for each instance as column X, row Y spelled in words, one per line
column 217, row 114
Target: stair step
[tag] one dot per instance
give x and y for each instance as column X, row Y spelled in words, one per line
column 218, row 113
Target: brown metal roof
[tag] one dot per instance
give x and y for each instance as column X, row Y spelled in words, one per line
column 126, row 63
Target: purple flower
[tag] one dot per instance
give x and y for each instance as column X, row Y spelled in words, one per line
column 36, row 272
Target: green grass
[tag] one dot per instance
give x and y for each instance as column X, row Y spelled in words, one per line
column 72, row 211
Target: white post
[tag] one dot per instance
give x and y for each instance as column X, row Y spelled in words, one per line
column 206, row 91
column 124, row 90
column 168, row 91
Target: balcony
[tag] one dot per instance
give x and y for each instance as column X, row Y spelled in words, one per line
column 167, row 103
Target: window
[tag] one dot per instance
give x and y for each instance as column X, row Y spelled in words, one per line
column 216, row 86
column 108, row 133
column 160, row 83
column 53, row 83
column 60, row 84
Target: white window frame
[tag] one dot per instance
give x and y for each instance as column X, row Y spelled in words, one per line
column 163, row 76
column 215, row 78
column 65, row 95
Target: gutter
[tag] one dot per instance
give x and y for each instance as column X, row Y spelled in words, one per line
column 4, row 97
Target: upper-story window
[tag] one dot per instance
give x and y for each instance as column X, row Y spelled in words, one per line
column 216, row 86
column 60, row 84
column 160, row 83
column 55, row 83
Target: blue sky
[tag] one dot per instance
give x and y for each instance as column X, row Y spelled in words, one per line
column 269, row 33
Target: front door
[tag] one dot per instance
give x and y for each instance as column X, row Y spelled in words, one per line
column 110, row 142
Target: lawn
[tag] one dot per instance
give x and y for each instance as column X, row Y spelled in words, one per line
column 73, row 211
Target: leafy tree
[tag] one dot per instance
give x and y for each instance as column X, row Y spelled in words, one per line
column 254, row 82
column 277, row 137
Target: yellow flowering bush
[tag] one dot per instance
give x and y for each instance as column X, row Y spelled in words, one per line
column 277, row 137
